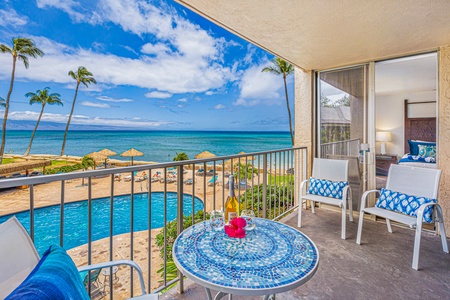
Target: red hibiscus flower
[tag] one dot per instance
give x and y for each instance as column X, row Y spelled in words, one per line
column 236, row 228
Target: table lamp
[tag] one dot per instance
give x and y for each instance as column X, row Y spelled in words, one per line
column 383, row 137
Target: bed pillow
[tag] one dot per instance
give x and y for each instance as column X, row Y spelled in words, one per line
column 427, row 151
column 405, row 204
column 327, row 188
column 414, row 146
column 54, row 277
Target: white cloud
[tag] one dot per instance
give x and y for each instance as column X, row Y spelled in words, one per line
column 95, row 104
column 259, row 88
column 209, row 93
column 85, row 120
column 180, row 105
column 157, row 48
column 188, row 58
column 157, row 94
column 182, row 100
column 11, row 18
column 219, row 106
column 109, row 99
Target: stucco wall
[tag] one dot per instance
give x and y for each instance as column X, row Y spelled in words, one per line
column 303, row 112
column 444, row 133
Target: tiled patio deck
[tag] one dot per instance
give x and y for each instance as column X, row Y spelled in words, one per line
column 378, row 269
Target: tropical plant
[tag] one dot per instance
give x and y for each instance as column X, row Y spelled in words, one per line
column 170, row 236
column 42, row 97
column 81, row 76
column 22, row 49
column 282, row 67
column 279, row 198
column 181, row 156
column 86, row 163
column 244, row 171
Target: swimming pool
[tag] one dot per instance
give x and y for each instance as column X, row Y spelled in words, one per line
column 47, row 219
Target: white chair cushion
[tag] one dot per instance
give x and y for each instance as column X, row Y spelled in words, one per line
column 18, row 257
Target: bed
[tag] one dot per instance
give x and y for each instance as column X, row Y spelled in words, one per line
column 420, row 137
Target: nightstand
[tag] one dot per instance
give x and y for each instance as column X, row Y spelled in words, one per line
column 383, row 162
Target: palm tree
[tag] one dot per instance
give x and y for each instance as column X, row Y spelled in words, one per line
column 181, row 156
column 21, row 50
column 44, row 98
column 87, row 162
column 81, row 76
column 282, row 67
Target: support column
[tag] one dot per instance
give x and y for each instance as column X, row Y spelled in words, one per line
column 304, row 115
column 443, row 153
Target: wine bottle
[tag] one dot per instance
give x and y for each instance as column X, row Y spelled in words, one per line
column 232, row 204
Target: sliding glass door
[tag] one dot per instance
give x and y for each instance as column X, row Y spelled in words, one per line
column 342, row 121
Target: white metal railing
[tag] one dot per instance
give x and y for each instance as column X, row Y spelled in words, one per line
column 347, row 148
column 267, row 184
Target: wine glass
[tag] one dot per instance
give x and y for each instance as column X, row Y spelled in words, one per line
column 217, row 220
column 249, row 216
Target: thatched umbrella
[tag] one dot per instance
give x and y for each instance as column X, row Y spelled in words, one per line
column 108, row 153
column 97, row 156
column 248, row 157
column 204, row 154
column 132, row 152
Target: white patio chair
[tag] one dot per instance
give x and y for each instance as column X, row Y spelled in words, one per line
column 334, row 170
column 415, row 182
column 18, row 257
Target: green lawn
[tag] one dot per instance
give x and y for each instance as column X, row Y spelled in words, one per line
column 7, row 160
column 281, row 179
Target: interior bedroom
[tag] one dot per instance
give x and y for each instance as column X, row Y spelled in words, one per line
column 405, row 113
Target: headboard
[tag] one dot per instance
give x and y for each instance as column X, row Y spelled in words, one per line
column 423, row 129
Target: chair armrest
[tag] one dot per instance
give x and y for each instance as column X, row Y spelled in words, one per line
column 117, row 263
column 303, row 184
column 421, row 210
column 364, row 198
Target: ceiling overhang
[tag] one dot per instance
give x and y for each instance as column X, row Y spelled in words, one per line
column 323, row 34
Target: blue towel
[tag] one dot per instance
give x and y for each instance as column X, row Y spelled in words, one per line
column 54, row 277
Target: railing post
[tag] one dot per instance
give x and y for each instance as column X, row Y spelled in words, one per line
column 180, row 218
column 264, row 198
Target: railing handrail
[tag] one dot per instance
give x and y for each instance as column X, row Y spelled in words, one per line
column 13, row 182
column 339, row 142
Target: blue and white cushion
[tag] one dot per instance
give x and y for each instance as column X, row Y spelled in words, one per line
column 405, row 204
column 327, row 188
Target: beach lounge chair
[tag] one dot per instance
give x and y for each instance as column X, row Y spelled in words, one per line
column 211, row 173
column 410, row 198
column 22, row 270
column 200, row 172
column 96, row 285
column 127, row 178
column 189, row 181
column 213, row 181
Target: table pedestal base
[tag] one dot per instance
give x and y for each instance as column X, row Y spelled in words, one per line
column 220, row 295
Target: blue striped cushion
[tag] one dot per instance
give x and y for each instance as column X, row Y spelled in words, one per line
column 54, row 277
column 405, row 204
column 327, row 188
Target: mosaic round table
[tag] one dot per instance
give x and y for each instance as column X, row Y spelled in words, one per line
column 271, row 259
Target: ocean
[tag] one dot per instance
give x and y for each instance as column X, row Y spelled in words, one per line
column 158, row 146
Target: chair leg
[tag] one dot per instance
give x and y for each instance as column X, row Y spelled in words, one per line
column 415, row 263
column 360, row 225
column 388, row 223
column 350, row 208
column 440, row 216
column 344, row 220
column 312, row 206
column 300, row 208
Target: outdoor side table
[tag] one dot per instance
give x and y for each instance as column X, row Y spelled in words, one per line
column 106, row 273
column 271, row 259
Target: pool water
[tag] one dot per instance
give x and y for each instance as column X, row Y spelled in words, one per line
column 47, row 219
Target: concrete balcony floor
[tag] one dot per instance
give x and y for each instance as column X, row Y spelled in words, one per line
column 380, row 268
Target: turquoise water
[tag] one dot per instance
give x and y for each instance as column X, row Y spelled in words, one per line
column 159, row 146
column 47, row 228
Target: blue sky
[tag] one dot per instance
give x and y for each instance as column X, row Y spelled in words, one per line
column 158, row 66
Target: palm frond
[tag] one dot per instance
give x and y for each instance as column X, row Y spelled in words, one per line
column 5, row 49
